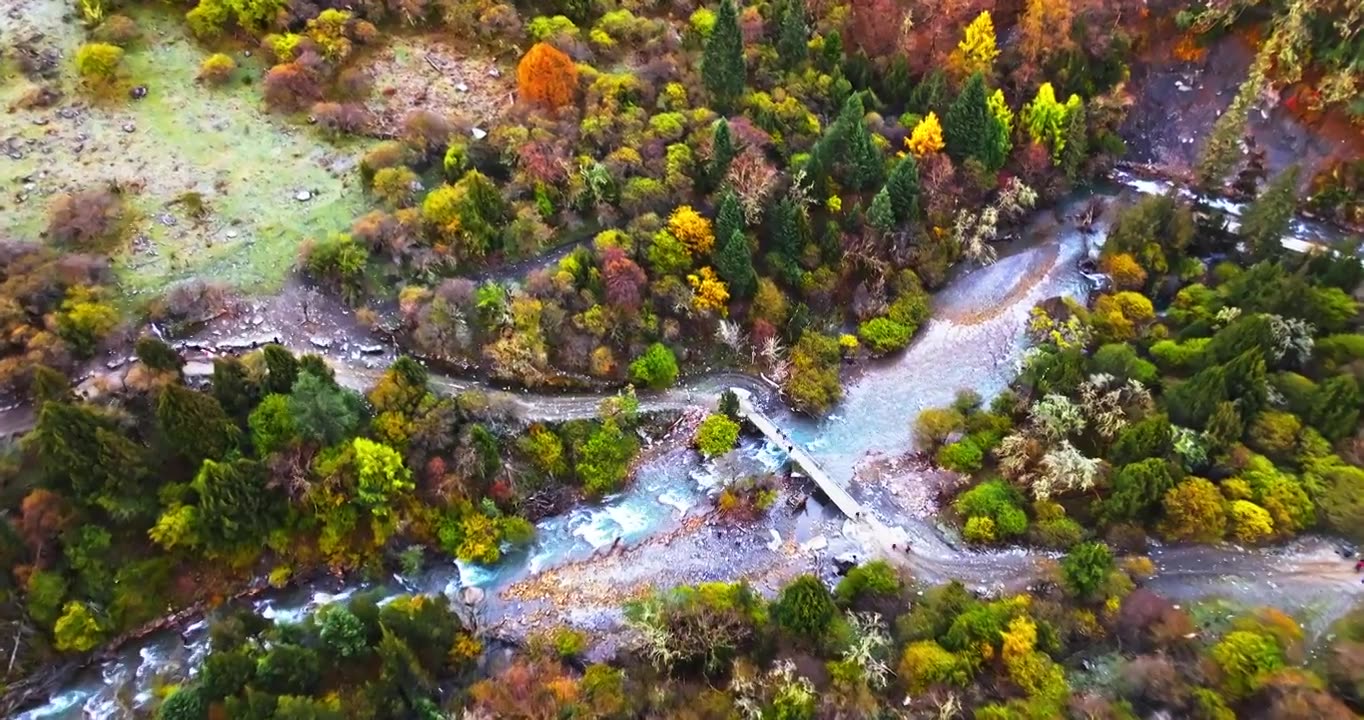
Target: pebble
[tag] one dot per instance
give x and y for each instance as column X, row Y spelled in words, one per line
column 138, row 92
column 303, row 196
column 129, row 127
column 231, row 234
column 461, row 87
column 67, row 113
column 478, row 133
column 494, row 72
column 41, row 121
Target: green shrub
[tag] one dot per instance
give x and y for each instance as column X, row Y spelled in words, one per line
column 883, row 335
column 656, row 368
column 1174, row 356
column 805, row 609
column 874, row 578
column 963, row 456
column 717, row 435
column 1085, row 568
column 997, row 502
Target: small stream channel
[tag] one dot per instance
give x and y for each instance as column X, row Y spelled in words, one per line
column 975, row 339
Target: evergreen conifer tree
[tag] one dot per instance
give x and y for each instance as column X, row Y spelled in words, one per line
column 735, row 264
column 194, row 425
column 1266, row 220
column 722, row 64
column 787, row 236
column 967, row 127
column 881, row 214
column 729, row 218
column 865, row 163
column 722, row 152
column 1222, row 150
column 903, row 187
column 1077, row 142
column 792, row 35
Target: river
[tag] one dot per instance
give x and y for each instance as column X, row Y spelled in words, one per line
column 975, row 339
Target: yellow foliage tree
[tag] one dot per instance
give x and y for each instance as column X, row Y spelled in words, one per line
column 693, row 229
column 977, row 50
column 711, row 293
column 1126, row 272
column 1044, row 30
column 927, row 136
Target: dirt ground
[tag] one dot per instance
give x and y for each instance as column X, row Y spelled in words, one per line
column 424, row 72
column 1178, row 102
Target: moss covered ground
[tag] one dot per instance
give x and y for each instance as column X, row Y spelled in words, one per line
column 250, row 168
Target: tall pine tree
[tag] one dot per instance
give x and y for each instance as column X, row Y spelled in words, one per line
column 788, row 236
column 792, row 35
column 866, row 166
column 967, row 127
column 722, row 153
column 1077, row 142
column 903, row 188
column 193, row 425
column 881, row 214
column 735, row 264
column 729, row 218
column 1266, row 220
column 722, row 64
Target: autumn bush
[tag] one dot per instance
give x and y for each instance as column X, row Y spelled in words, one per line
column 97, row 63
column 216, row 69
column 547, row 77
column 85, row 220
column 290, row 87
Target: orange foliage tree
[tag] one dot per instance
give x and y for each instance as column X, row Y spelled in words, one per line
column 546, row 76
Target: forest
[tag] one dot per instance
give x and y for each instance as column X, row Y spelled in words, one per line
column 776, row 189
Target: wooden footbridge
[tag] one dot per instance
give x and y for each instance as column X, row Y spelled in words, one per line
column 835, row 492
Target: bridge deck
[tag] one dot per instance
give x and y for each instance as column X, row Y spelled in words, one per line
column 799, row 456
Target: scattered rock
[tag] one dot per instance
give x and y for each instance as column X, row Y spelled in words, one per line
column 814, row 544
column 67, row 113
column 303, row 196
column 494, row 72
column 320, row 342
column 41, row 121
column 462, row 87
column 139, row 92
column 129, row 127
column 372, row 349
column 776, row 539
column 478, row 133
column 231, row 234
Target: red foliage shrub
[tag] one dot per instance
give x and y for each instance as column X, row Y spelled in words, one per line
column 289, row 87
column 624, row 280
column 349, row 118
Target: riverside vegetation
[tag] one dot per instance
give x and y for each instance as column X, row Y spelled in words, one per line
column 776, row 187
